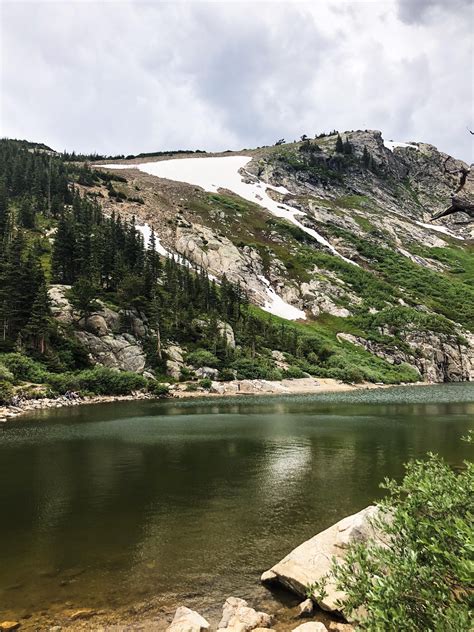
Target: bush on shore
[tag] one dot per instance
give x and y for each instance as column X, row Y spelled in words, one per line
column 419, row 575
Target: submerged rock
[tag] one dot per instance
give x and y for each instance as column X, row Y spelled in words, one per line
column 312, row 560
column 239, row 617
column 187, row 620
column 8, row 626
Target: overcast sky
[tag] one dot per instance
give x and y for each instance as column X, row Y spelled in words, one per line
column 124, row 77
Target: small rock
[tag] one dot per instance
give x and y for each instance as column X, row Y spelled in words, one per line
column 187, row 620
column 305, row 608
column 311, row 626
column 335, row 626
column 84, row 613
column 7, row 626
column 268, row 577
column 239, row 617
column 55, row 628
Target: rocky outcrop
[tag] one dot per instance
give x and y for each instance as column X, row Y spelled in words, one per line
column 311, row 561
column 110, row 338
column 121, row 351
column 187, row 620
column 238, row 616
column 437, row 357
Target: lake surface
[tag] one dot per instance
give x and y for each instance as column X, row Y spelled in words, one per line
column 188, row 502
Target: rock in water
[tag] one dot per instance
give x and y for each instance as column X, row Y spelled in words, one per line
column 187, row 620
column 239, row 617
column 312, row 560
column 305, row 608
column 8, row 626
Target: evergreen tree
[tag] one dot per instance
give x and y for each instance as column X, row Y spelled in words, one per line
column 37, row 330
column 339, row 145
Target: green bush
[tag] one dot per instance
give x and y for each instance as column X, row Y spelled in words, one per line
column 418, row 576
column 256, row 369
column 191, row 387
column 226, row 375
column 6, row 392
column 104, row 381
column 294, row 372
column 5, row 374
column 158, row 389
column 25, row 368
column 60, row 383
column 201, row 358
column 206, row 383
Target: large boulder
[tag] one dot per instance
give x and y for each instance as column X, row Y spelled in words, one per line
column 187, row 620
column 237, row 616
column 311, row 561
column 225, row 331
column 61, row 308
column 121, row 352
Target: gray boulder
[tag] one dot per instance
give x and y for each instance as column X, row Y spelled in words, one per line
column 311, row 561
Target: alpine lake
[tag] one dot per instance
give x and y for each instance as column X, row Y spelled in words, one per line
column 139, row 507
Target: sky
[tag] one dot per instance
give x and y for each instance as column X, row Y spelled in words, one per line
column 126, row 77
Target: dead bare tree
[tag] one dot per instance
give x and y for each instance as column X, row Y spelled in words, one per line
column 459, row 203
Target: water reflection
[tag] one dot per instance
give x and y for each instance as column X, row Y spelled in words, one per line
column 111, row 504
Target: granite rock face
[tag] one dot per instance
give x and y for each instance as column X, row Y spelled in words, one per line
column 311, row 561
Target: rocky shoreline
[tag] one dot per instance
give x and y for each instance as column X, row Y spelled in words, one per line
column 309, row 562
column 235, row 388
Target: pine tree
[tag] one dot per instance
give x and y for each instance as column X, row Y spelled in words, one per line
column 38, row 328
column 339, row 145
column 4, row 212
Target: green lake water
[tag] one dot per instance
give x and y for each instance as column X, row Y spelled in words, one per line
column 188, row 502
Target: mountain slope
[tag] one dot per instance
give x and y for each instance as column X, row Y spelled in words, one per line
column 342, row 236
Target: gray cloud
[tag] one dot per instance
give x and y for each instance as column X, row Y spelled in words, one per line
column 418, row 11
column 130, row 76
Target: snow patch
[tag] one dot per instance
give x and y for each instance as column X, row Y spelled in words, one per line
column 216, row 173
column 277, row 306
column 441, row 229
column 391, row 144
column 145, row 230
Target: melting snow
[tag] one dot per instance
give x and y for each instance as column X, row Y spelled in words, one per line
column 216, row 173
column 277, row 306
column 145, row 230
column 391, row 144
column 441, row 229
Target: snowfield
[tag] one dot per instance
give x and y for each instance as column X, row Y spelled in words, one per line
column 215, row 173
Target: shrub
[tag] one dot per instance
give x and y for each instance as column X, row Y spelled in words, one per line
column 248, row 369
column 158, row 389
column 25, row 368
column 192, row 387
column 206, row 383
column 419, row 576
column 5, row 374
column 227, row 375
column 62, row 382
column 104, row 381
column 294, row 372
column 6, row 392
column 202, row 357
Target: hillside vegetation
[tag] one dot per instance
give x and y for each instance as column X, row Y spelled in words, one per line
column 82, row 294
